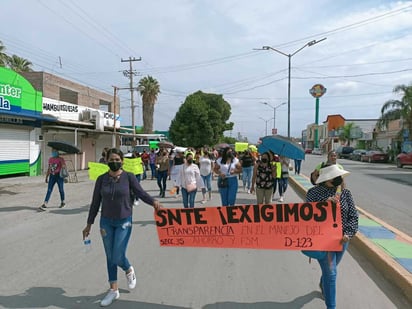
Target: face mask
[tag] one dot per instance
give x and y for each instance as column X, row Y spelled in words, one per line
column 190, row 161
column 264, row 160
column 114, row 166
column 337, row 181
column 230, row 155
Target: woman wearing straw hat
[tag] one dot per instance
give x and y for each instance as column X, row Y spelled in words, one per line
column 329, row 180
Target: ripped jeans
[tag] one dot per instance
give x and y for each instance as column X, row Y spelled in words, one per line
column 116, row 234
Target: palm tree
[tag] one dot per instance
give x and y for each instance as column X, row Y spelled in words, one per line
column 19, row 64
column 149, row 89
column 398, row 109
column 3, row 56
column 345, row 134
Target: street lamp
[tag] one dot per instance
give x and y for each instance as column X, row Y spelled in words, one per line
column 311, row 43
column 274, row 111
column 266, row 122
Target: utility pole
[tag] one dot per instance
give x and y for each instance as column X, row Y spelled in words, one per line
column 114, row 118
column 130, row 73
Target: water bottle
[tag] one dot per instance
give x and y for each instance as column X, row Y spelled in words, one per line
column 87, row 244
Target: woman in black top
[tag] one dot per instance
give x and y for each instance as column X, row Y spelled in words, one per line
column 247, row 161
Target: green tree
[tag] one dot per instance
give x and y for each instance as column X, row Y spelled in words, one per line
column 345, row 134
column 201, row 120
column 3, row 56
column 149, row 89
column 398, row 109
column 19, row 64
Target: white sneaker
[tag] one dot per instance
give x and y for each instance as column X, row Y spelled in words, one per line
column 136, row 203
column 109, row 298
column 203, row 201
column 281, row 199
column 131, row 278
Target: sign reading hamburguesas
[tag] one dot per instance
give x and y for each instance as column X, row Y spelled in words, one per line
column 297, row 226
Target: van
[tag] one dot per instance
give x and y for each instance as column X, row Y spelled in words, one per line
column 344, row 152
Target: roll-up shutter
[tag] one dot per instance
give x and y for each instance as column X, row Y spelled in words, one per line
column 14, row 150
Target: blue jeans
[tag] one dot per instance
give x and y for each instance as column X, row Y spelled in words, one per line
column 188, row 198
column 161, row 180
column 247, row 173
column 283, row 185
column 207, row 180
column 116, row 234
column 329, row 273
column 228, row 194
column 298, row 164
column 52, row 181
column 153, row 169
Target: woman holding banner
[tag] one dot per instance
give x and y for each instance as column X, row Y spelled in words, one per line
column 113, row 191
column 330, row 178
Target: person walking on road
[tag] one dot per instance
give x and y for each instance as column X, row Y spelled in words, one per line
column 163, row 171
column 264, row 176
column 227, row 167
column 284, row 177
column 330, row 178
column 56, row 164
column 247, row 161
column 298, row 164
column 206, row 168
column 113, row 191
column 190, row 181
column 331, row 159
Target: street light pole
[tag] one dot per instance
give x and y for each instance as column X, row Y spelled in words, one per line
column 274, row 111
column 266, row 124
column 311, row 43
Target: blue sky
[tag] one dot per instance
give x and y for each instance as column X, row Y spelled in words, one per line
column 209, row 46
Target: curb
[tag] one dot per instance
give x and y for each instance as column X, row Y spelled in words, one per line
column 380, row 259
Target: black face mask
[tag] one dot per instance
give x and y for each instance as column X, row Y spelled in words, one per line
column 264, row 160
column 114, row 166
column 230, row 155
column 337, row 181
column 190, row 161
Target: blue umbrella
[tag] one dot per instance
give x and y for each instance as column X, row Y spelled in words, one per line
column 282, row 146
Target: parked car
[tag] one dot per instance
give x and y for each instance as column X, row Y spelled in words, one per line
column 356, row 154
column 317, row 151
column 343, row 152
column 375, row 156
column 405, row 157
column 308, row 150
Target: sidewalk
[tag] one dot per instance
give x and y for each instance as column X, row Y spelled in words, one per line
column 389, row 249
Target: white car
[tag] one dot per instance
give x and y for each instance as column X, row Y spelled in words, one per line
column 317, row 151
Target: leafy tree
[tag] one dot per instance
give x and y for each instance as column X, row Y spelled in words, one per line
column 201, row 120
column 398, row 109
column 3, row 56
column 149, row 89
column 19, row 64
column 345, row 134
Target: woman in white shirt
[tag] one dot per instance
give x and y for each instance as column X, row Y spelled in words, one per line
column 206, row 167
column 190, row 181
column 227, row 167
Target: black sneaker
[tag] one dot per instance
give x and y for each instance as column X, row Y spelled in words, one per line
column 62, row 204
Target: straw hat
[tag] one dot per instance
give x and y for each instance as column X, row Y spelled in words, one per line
column 330, row 172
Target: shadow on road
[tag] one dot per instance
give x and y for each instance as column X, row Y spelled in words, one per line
column 42, row 297
column 298, row 302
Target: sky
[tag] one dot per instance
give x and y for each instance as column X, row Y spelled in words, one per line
column 216, row 46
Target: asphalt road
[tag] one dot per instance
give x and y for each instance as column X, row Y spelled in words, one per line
column 379, row 188
column 43, row 263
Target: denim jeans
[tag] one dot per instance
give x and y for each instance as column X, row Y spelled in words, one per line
column 298, row 164
column 228, row 194
column 329, row 273
column 52, row 181
column 116, row 234
column 247, row 173
column 161, row 180
column 188, row 198
column 153, row 169
column 207, row 180
column 283, row 185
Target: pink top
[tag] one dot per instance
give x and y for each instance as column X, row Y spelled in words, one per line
column 55, row 165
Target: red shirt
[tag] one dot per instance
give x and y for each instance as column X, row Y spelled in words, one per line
column 55, row 165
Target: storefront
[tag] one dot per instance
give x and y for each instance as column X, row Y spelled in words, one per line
column 20, row 125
